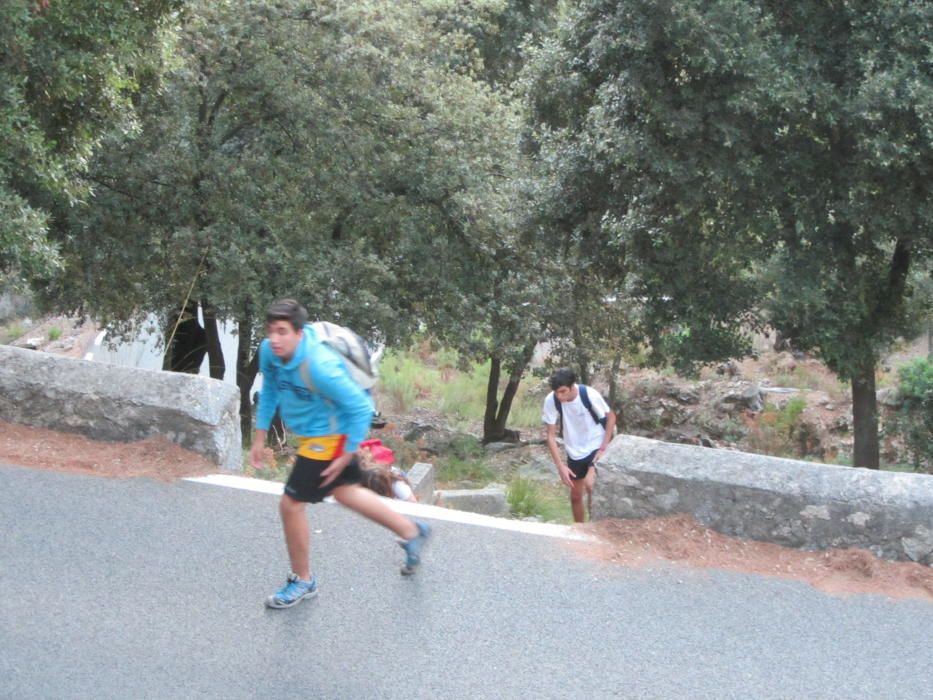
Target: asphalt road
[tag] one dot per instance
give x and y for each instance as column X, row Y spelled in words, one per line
column 138, row 589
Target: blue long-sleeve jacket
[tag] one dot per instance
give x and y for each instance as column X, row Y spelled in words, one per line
column 337, row 407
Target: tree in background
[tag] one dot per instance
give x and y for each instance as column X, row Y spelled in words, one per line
column 729, row 137
column 337, row 153
column 68, row 71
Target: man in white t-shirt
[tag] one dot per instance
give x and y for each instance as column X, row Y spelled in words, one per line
column 587, row 424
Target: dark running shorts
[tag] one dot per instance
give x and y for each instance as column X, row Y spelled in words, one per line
column 304, row 483
column 579, row 467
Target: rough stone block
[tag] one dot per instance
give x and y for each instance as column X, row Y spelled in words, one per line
column 421, row 478
column 488, row 501
column 106, row 402
column 794, row 503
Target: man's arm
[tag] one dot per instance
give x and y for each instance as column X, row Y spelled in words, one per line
column 607, row 438
column 562, row 471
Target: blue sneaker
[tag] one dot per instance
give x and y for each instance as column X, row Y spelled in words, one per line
column 413, row 548
column 293, row 592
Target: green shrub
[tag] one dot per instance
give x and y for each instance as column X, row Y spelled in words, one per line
column 55, row 333
column 915, row 417
column 529, row 498
column 454, row 469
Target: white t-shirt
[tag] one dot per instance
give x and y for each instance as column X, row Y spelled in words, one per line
column 402, row 491
column 582, row 435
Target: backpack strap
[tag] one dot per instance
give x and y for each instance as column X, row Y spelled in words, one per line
column 585, row 398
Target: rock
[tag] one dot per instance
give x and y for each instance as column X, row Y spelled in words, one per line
column 421, row 478
column 541, row 469
column 798, row 504
column 105, row 402
column 743, row 396
column 890, row 397
column 919, row 547
column 494, row 447
column 32, row 343
column 487, row 501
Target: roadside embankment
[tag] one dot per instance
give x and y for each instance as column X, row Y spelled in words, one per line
column 788, row 502
column 106, row 402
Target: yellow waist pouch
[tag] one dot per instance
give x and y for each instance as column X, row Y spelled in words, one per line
column 323, row 448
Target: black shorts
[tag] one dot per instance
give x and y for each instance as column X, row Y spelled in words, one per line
column 579, row 467
column 304, row 483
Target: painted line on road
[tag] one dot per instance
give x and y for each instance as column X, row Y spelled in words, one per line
column 417, row 509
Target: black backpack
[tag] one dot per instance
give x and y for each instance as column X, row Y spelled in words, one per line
column 586, row 402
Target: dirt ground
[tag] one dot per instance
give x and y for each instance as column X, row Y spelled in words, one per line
column 685, row 542
column 155, row 458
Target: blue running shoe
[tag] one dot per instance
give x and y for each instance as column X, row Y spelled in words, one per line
column 293, row 592
column 413, row 548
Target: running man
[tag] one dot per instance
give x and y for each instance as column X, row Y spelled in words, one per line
column 331, row 415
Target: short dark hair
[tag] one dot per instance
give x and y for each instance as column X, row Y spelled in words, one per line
column 563, row 377
column 287, row 310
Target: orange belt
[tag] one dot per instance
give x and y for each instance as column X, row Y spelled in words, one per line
column 323, row 448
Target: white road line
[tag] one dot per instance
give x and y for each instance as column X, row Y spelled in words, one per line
column 417, row 509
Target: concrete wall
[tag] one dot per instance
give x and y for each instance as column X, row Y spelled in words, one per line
column 798, row 504
column 117, row 403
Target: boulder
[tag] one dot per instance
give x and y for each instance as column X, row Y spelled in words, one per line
column 421, row 478
column 106, row 402
column 789, row 502
column 487, row 501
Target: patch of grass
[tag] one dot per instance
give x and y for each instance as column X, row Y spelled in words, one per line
column 55, row 333
column 454, row 470
column 13, row 332
column 528, row 498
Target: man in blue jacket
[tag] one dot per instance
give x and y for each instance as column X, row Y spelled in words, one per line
column 330, row 415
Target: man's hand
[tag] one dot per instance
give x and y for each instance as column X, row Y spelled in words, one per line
column 256, row 453
column 334, row 468
column 564, row 473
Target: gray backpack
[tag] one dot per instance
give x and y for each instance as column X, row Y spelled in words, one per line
column 351, row 347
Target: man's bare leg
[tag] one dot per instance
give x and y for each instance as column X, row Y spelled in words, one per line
column 588, row 483
column 577, row 491
column 297, row 535
column 369, row 505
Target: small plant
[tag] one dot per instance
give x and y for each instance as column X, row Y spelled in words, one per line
column 524, row 498
column 528, row 498
column 454, row 469
column 14, row 331
column 54, row 333
column 915, row 418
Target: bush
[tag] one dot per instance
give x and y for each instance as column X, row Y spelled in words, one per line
column 528, row 498
column 915, row 417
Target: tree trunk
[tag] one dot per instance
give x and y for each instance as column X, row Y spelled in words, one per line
column 247, row 365
column 615, row 401
column 215, row 353
column 583, row 360
column 492, row 399
column 865, row 420
column 497, row 412
column 930, row 341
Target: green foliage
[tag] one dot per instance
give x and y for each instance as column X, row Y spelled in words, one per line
column 529, row 498
column 454, row 470
column 13, row 331
column 915, row 420
column 55, row 333
column 740, row 156
column 69, row 71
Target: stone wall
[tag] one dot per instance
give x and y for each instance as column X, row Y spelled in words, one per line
column 106, row 402
column 798, row 504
